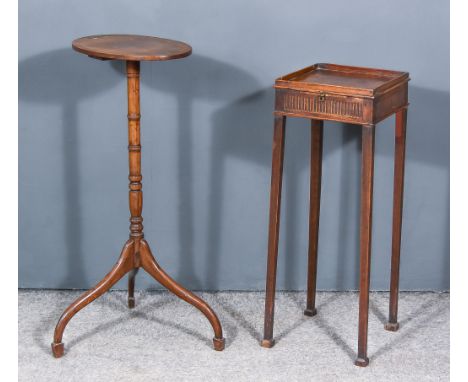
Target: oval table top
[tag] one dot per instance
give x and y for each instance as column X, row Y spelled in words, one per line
column 131, row 47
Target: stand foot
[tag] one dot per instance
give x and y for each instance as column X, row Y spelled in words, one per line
column 131, row 302
column 57, row 349
column 362, row 362
column 392, row 326
column 267, row 343
column 310, row 312
column 218, row 344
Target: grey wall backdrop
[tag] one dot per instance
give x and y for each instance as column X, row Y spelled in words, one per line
column 207, row 133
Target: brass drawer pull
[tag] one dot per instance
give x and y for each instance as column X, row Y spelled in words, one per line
column 321, row 96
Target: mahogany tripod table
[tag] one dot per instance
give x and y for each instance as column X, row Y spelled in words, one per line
column 136, row 252
column 354, row 95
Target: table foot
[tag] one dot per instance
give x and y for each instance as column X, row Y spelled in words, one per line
column 310, row 312
column 131, row 302
column 218, row 343
column 392, row 326
column 267, row 343
column 57, row 349
column 361, row 362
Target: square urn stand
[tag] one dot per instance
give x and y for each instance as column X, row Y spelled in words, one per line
column 352, row 95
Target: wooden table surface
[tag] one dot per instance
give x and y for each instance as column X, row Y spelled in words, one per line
column 131, row 47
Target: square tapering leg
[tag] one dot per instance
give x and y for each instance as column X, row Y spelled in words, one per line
column 367, row 180
column 316, row 148
column 398, row 186
column 273, row 231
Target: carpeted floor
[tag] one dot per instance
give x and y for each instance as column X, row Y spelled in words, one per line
column 165, row 339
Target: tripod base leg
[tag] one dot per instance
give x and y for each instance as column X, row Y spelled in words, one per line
column 149, row 264
column 131, row 288
column 124, row 265
column 128, row 263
